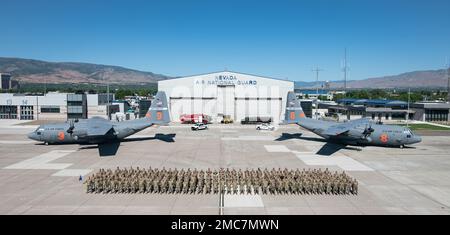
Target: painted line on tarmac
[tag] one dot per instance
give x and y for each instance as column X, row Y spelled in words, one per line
column 43, row 162
column 31, row 127
column 17, row 142
column 242, row 200
column 343, row 162
column 249, row 138
column 72, row 172
column 313, row 159
column 228, row 131
column 277, row 149
column 131, row 137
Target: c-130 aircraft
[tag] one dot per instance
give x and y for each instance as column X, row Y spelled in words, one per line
column 101, row 131
column 360, row 132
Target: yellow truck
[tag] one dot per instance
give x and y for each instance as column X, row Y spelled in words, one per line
column 227, row 119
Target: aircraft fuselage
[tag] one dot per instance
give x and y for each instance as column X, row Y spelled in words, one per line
column 57, row 133
column 382, row 135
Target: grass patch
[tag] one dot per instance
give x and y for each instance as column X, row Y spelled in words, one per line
column 40, row 122
column 420, row 127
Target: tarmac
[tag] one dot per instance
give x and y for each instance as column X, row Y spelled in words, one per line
column 39, row 179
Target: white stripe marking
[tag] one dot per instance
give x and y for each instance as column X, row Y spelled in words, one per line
column 17, row 142
column 344, row 162
column 245, row 200
column 277, row 149
column 310, row 158
column 41, row 162
column 72, row 172
column 228, row 131
column 249, row 138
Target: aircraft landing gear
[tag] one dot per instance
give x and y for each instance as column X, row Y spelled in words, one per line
column 402, row 146
column 46, row 143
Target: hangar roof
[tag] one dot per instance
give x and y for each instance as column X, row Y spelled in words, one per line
column 431, row 105
column 228, row 71
column 372, row 102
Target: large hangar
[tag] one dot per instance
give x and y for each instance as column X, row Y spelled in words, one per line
column 227, row 94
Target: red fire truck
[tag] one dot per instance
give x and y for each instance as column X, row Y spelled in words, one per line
column 195, row 118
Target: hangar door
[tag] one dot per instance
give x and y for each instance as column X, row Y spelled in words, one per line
column 225, row 101
column 180, row 106
column 258, row 107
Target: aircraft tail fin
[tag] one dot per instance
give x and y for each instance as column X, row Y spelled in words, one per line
column 294, row 112
column 158, row 113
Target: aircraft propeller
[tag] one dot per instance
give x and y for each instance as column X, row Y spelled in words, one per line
column 368, row 131
column 71, row 126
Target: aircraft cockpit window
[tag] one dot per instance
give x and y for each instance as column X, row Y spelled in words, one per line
column 408, row 133
column 39, row 131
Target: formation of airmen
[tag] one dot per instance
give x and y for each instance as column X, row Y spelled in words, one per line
column 225, row 181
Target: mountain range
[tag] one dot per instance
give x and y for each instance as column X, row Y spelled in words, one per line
column 416, row 79
column 37, row 71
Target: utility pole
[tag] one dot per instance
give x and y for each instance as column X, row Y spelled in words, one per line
column 345, row 69
column 107, row 92
column 37, row 107
column 317, row 70
column 448, row 81
column 409, row 100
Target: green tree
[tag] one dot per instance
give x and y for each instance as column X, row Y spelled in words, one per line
column 337, row 97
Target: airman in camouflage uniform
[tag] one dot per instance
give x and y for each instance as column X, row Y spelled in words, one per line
column 231, row 181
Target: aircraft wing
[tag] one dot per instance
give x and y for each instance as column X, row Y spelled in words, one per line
column 108, row 149
column 329, row 149
column 342, row 128
column 358, row 122
column 336, row 130
column 98, row 127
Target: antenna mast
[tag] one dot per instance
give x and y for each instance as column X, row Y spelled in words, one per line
column 345, row 69
column 448, row 80
column 409, row 100
column 317, row 70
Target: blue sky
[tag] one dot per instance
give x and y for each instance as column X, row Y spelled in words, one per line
column 283, row 39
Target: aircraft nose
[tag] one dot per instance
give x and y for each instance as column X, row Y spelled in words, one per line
column 417, row 139
column 32, row 136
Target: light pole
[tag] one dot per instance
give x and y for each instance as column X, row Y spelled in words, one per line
column 37, row 107
column 107, row 105
column 407, row 115
column 345, row 70
column 317, row 70
column 448, row 81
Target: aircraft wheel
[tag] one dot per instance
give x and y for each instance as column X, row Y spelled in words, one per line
column 46, row 143
column 402, row 146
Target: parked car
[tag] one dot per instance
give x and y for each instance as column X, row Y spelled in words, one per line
column 265, row 126
column 199, row 126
